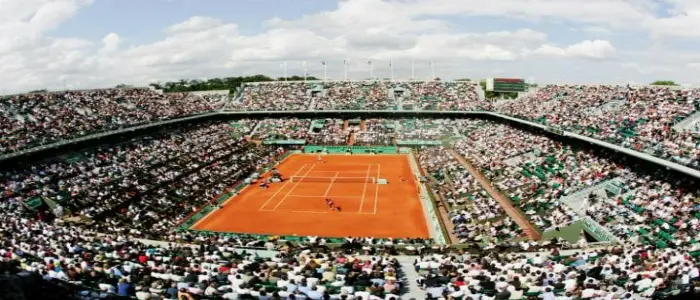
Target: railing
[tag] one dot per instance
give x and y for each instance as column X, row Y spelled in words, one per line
column 435, row 226
column 351, row 149
column 391, row 113
column 101, row 135
column 599, row 232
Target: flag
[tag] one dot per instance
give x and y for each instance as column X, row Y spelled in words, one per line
column 284, row 64
column 303, row 63
column 323, row 62
column 390, row 63
column 369, row 62
column 345, row 61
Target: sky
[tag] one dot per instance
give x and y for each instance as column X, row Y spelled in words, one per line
column 77, row 44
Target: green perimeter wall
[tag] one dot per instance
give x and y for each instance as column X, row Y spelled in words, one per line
column 352, row 149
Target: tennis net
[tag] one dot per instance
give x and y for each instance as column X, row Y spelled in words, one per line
column 333, row 179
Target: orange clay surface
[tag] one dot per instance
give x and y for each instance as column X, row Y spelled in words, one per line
column 299, row 208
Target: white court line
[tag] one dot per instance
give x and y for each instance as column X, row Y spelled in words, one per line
column 350, row 172
column 293, row 187
column 318, row 212
column 330, row 185
column 364, row 190
column 281, row 188
column 331, row 197
column 241, row 191
column 376, row 189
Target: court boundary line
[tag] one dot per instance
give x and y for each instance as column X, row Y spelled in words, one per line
column 330, row 185
column 293, row 187
column 282, row 188
column 319, row 196
column 301, row 169
column 376, row 190
column 322, row 212
column 241, row 191
column 364, row 190
column 351, row 172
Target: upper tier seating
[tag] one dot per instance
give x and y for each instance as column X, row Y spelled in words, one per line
column 32, row 120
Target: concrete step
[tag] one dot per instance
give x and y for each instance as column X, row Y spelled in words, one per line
column 410, row 284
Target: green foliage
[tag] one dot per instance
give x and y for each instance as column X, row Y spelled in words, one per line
column 39, row 91
column 228, row 83
column 664, row 82
column 123, row 86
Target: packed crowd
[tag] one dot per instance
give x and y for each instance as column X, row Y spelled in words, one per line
column 216, row 268
column 425, row 129
column 372, row 95
column 374, row 132
column 360, row 95
column 616, row 273
column 477, row 217
column 147, row 170
column 32, row 120
column 533, row 170
column 329, row 132
column 641, row 118
column 438, row 95
column 537, row 173
column 273, row 96
column 651, row 211
column 142, row 187
column 282, row 129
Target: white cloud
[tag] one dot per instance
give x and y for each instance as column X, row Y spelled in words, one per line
column 111, row 42
column 694, row 65
column 596, row 49
column 194, row 24
column 682, row 21
column 358, row 30
column 596, row 30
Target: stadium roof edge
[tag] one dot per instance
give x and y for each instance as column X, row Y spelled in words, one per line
column 630, row 152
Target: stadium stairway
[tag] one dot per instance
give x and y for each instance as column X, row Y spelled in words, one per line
column 255, row 128
column 312, row 103
column 414, row 291
column 502, row 199
column 688, row 123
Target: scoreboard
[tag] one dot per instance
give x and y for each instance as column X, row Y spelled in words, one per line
column 506, row 85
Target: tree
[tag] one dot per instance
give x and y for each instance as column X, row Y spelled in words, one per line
column 39, row 91
column 664, row 82
column 123, row 86
column 156, row 85
column 227, row 83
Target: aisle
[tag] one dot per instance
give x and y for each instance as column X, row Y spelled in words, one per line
column 413, row 291
column 502, row 199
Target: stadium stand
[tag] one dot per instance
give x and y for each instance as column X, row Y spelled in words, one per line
column 37, row 119
column 476, row 216
column 99, row 222
column 641, row 118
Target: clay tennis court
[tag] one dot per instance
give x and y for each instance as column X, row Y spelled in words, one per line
column 298, row 206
